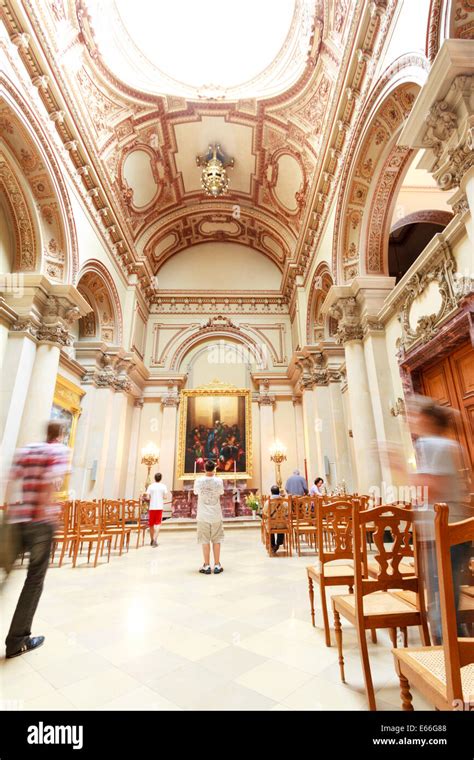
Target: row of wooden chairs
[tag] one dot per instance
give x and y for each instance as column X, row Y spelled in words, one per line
column 97, row 522
column 295, row 517
column 384, row 592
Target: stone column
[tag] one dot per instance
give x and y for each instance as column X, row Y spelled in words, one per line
column 299, row 442
column 339, row 429
column 350, row 334
column 131, row 490
column 80, row 475
column 168, row 439
column 382, row 394
column 266, row 405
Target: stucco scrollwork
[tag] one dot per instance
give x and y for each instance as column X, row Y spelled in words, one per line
column 440, row 268
column 346, row 312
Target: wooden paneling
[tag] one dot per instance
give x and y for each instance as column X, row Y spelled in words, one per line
column 450, row 382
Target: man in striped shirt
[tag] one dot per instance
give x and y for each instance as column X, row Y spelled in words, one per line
column 41, row 468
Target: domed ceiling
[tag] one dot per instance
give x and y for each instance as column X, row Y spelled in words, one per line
column 142, row 88
column 207, row 48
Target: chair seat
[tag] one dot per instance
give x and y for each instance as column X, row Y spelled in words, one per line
column 405, row 568
column 90, row 537
column 333, row 571
column 378, row 603
column 429, row 663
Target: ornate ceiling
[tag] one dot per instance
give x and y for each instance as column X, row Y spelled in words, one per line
column 135, row 152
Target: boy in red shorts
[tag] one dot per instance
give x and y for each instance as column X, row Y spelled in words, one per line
column 156, row 493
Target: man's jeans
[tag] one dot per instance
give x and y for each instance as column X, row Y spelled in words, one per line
column 35, row 538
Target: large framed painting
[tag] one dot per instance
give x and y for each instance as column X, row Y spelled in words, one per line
column 215, row 423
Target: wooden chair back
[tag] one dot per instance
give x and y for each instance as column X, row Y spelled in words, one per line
column 335, row 518
column 89, row 517
column 458, row 652
column 398, row 521
column 278, row 513
column 113, row 513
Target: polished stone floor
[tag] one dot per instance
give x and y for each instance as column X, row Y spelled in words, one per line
column 148, row 632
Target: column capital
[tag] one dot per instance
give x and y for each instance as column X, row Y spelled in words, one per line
column 346, row 312
column 106, row 366
column 442, row 119
column 46, row 311
column 265, row 399
column 170, row 400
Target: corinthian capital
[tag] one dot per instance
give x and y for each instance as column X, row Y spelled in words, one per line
column 347, row 314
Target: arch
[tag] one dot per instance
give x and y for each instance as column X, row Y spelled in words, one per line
column 448, row 19
column 433, row 216
column 374, row 170
column 219, row 328
column 105, row 322
column 27, row 142
column 27, row 256
column 316, row 328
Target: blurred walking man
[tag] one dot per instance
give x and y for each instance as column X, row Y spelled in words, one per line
column 41, row 468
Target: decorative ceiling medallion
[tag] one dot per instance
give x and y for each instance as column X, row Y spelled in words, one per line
column 214, row 179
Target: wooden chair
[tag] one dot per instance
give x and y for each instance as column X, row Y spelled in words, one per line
column 374, row 603
column 135, row 519
column 113, row 513
column 90, row 530
column 406, row 567
column 303, row 516
column 63, row 534
column 335, row 518
column 278, row 520
column 443, row 674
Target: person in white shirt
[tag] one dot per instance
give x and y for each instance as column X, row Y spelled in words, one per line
column 318, row 488
column 210, row 527
column 156, row 493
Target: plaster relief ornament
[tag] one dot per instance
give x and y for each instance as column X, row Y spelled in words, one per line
column 442, row 122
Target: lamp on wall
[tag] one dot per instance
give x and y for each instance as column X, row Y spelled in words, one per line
column 150, row 456
column 278, row 455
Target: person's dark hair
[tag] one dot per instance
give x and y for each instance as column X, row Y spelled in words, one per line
column 157, row 477
column 318, row 481
column 275, row 491
column 55, row 429
column 210, row 465
column 439, row 415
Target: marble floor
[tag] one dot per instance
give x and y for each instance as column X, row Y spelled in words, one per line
column 148, row 632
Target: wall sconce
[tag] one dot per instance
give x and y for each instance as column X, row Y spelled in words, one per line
column 278, row 455
column 150, row 456
column 397, row 408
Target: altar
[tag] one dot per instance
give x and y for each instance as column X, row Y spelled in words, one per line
column 184, row 502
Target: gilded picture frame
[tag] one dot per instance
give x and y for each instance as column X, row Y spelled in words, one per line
column 67, row 408
column 231, row 446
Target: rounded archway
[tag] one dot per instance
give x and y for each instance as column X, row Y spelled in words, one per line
column 410, row 236
column 104, row 322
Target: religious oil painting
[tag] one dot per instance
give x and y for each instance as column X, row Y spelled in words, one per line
column 215, row 425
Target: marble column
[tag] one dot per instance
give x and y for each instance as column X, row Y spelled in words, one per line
column 324, row 432
column 168, row 438
column 266, row 404
column 80, row 476
column 131, row 489
column 311, row 424
column 112, row 487
column 368, row 473
column 299, row 441
column 16, row 370
column 37, row 410
column 382, row 394
column 339, row 430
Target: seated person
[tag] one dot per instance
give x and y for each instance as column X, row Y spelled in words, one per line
column 318, row 489
column 279, row 539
